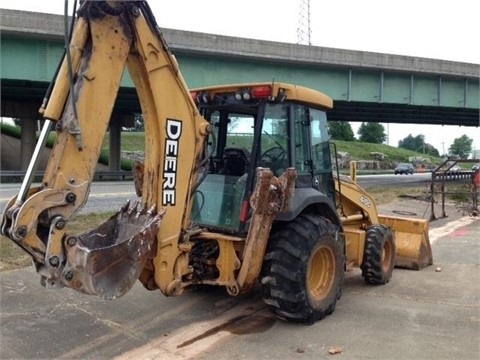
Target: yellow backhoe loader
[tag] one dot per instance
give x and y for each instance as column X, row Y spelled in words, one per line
column 236, row 188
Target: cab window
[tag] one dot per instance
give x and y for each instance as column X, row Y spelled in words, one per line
column 274, row 139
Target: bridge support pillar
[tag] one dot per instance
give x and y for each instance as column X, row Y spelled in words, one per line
column 114, row 143
column 28, row 141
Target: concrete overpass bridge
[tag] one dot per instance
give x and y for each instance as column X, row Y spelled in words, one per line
column 365, row 86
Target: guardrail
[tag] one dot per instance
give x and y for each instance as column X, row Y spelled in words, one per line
column 11, row 176
column 459, row 175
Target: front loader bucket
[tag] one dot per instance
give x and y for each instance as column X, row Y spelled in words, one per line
column 107, row 260
column 413, row 249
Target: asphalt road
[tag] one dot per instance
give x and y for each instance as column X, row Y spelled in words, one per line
column 367, row 181
column 104, row 196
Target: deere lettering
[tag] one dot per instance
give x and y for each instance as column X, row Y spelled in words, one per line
column 174, row 131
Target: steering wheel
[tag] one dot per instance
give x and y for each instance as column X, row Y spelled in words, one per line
column 274, row 158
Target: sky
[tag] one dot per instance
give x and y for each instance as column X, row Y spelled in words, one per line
column 440, row 29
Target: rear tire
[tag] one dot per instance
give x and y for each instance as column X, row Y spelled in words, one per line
column 379, row 255
column 303, row 269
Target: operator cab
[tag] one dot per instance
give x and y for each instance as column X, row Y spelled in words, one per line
column 274, row 126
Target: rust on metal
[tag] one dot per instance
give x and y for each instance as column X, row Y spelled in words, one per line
column 271, row 195
column 138, row 176
column 287, row 183
column 107, row 260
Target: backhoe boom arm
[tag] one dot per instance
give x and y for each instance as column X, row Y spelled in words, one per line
column 108, row 37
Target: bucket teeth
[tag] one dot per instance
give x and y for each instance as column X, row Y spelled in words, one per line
column 152, row 210
column 125, row 206
column 133, row 208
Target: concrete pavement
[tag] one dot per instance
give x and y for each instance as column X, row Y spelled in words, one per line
column 428, row 314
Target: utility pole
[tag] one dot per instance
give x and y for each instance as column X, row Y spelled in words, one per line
column 388, row 134
column 304, row 31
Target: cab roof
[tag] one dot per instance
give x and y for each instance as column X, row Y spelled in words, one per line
column 293, row 92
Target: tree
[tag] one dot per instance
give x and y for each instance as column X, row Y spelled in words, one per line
column 461, row 147
column 340, row 130
column 418, row 144
column 430, row 150
column 372, row 133
column 412, row 143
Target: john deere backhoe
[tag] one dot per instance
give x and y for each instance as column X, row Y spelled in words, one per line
column 236, row 187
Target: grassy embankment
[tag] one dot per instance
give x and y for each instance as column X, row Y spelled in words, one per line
column 135, row 142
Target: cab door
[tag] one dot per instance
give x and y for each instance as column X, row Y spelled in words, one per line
column 312, row 149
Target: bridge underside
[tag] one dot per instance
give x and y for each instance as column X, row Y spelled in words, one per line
column 28, row 95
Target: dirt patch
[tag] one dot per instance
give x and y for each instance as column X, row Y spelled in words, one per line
column 12, row 256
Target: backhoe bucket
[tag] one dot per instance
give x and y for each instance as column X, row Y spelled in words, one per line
column 413, row 249
column 107, row 260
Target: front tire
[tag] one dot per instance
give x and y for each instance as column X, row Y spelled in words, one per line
column 378, row 255
column 303, row 269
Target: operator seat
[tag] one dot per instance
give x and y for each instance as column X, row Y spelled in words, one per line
column 235, row 161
